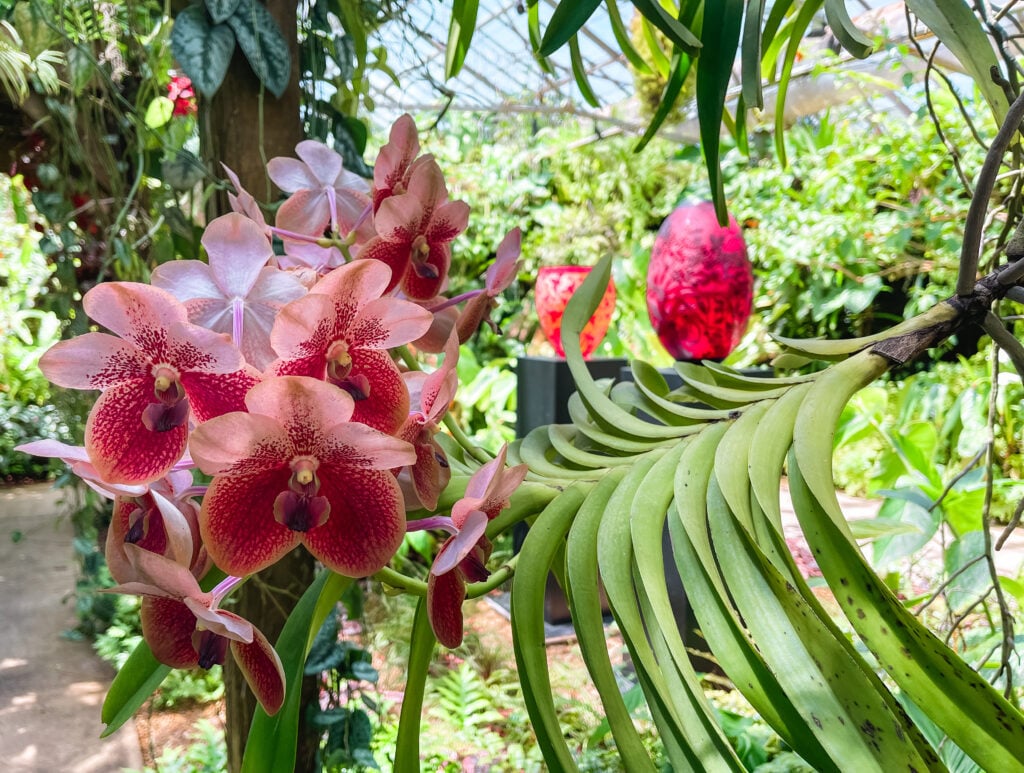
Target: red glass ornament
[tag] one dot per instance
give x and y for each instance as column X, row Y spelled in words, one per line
column 700, row 286
column 555, row 285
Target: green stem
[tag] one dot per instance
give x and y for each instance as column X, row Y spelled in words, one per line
column 475, row 590
column 410, row 585
column 421, row 648
column 460, row 437
column 408, row 358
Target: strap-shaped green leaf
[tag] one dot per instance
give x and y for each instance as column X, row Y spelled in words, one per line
column 653, row 11
column 533, row 30
column 421, row 649
column 720, row 37
column 954, row 23
column 750, row 54
column 588, row 621
column 579, row 72
column 203, row 49
column 136, row 680
column 800, row 24
column 623, row 39
column 272, row 740
column 851, row 38
column 566, row 20
column 263, row 44
column 538, row 553
column 678, row 70
column 460, row 35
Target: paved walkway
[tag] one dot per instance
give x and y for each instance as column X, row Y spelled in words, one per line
column 51, row 688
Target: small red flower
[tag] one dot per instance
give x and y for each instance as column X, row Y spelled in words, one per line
column 181, row 92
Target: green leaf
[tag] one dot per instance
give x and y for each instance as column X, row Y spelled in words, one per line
column 851, row 38
column 460, row 35
column 263, row 44
column 799, row 27
column 580, row 73
column 653, row 11
column 221, row 10
column 159, row 112
column 136, row 680
column 954, row 23
column 750, row 54
column 81, row 65
column 623, row 39
column 272, row 740
column 679, row 69
column 720, row 36
column 568, row 17
column 203, row 50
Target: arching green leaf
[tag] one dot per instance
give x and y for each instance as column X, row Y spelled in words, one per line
column 460, row 35
column 565, row 22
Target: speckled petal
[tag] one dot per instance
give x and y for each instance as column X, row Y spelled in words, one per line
column 120, row 447
column 214, row 394
column 445, row 595
column 262, row 669
column 137, row 312
column 93, row 361
column 387, row 406
column 241, row 443
column 304, row 407
column 237, row 522
column 167, row 626
column 366, row 524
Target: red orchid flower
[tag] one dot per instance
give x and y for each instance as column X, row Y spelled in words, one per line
column 323, row 192
column 431, row 394
column 414, row 231
column 341, row 332
column 295, row 470
column 237, row 292
column 184, row 627
column 396, row 161
column 152, row 376
column 462, row 557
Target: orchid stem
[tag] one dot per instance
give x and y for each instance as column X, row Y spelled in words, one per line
column 408, row 358
column 477, row 589
column 460, row 437
column 410, row 585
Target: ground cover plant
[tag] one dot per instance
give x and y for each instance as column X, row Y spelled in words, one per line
column 285, row 399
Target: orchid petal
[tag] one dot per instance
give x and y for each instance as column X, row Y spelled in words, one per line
column 137, row 312
column 305, row 328
column 400, row 218
column 448, row 221
column 434, row 339
column 395, row 157
column 167, row 626
column 305, row 212
column 395, row 254
column 237, row 521
column 222, row 623
column 355, row 283
column 214, row 394
column 385, row 323
column 186, row 279
column 168, row 575
column 458, row 547
column 506, row 264
column 243, row 202
column 120, row 447
column 426, row 184
column 429, row 475
column 367, row 521
column 194, row 348
column 419, row 287
column 304, row 407
column 291, row 175
column 93, row 361
column 238, row 250
column 357, row 445
column 180, row 548
column 246, row 443
column 324, row 163
column 262, row 669
column 445, row 596
column 387, row 405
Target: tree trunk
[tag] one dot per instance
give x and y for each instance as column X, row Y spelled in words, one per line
column 244, row 135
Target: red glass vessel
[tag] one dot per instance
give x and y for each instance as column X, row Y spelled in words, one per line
column 700, row 286
column 555, row 285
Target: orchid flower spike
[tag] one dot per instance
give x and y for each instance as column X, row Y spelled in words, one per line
column 156, row 371
column 462, row 558
column 295, row 470
column 185, row 628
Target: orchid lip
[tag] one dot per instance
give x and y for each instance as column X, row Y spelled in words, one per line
column 212, row 647
column 163, row 417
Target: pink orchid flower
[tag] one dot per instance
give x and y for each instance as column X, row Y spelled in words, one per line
column 414, row 231
column 432, row 394
column 462, row 557
column 295, row 470
column 397, row 161
column 237, row 293
column 322, row 191
column 499, row 276
column 341, row 332
column 151, row 377
column 185, row 628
